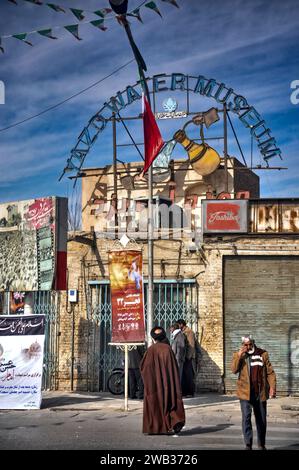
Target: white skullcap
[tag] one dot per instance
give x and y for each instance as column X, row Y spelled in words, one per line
column 247, row 338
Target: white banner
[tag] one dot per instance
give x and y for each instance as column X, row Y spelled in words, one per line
column 21, row 361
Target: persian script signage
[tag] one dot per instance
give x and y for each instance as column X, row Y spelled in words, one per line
column 221, row 216
column 126, row 281
column 21, row 361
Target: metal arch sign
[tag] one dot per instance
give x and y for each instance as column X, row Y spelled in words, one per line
column 199, row 85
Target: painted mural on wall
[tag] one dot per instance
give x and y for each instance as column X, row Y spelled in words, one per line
column 33, row 236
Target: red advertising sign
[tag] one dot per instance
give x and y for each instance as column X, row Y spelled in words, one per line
column 40, row 213
column 225, row 216
column 126, row 283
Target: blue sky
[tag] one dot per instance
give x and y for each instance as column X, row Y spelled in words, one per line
column 251, row 46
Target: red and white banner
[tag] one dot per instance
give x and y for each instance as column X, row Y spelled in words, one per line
column 126, row 284
column 221, row 216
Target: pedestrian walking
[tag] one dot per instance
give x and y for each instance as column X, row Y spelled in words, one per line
column 179, row 346
column 256, row 383
column 192, row 359
column 163, row 409
column 135, row 380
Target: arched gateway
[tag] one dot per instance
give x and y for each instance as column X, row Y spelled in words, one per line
column 198, row 85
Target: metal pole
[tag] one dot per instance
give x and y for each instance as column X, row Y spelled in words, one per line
column 150, row 258
column 126, row 377
column 141, row 68
column 225, row 145
column 115, row 172
column 8, row 302
column 251, row 152
column 73, row 346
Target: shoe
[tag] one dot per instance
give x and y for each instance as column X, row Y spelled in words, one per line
column 177, row 428
column 262, row 448
column 248, row 447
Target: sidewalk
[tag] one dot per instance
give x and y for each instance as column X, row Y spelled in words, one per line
column 282, row 409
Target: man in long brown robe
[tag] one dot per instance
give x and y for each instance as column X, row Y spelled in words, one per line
column 163, row 409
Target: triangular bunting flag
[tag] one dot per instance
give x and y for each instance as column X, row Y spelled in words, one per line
column 136, row 14
column 172, row 2
column 1, row 48
column 74, row 30
column 36, row 2
column 99, row 24
column 22, row 37
column 153, row 6
column 103, row 12
column 47, row 33
column 55, row 7
column 78, row 13
column 153, row 141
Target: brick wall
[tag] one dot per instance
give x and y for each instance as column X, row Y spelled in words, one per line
column 87, row 260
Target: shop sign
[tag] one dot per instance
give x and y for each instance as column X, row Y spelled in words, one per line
column 221, row 216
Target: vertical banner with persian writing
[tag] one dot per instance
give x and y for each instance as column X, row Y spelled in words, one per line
column 126, row 281
column 21, row 361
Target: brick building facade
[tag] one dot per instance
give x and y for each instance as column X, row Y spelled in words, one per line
column 225, row 285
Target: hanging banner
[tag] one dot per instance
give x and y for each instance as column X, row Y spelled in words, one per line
column 126, row 284
column 21, row 361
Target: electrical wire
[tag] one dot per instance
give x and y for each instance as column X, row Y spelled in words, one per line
column 66, row 99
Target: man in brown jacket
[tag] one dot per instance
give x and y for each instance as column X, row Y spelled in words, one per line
column 256, row 383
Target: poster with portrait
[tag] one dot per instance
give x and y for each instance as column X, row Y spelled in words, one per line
column 126, row 283
column 21, row 361
column 17, row 303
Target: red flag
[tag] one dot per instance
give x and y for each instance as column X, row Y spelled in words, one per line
column 153, row 141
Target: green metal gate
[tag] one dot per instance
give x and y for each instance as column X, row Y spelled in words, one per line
column 47, row 303
column 172, row 300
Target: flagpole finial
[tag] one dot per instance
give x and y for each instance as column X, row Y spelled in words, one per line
column 120, row 7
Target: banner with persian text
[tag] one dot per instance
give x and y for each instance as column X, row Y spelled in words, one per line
column 21, row 361
column 126, row 282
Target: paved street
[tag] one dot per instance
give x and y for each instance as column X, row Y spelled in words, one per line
column 97, row 422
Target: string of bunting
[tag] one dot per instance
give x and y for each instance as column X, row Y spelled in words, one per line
column 80, row 15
